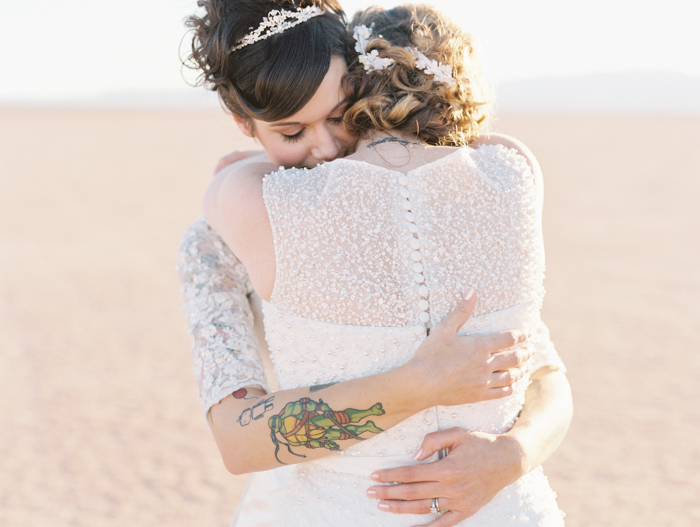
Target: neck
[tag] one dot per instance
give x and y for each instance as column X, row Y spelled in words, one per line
column 385, row 139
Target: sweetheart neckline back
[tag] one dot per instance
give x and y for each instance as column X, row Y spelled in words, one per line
column 456, row 151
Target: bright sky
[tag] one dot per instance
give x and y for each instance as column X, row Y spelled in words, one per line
column 71, row 49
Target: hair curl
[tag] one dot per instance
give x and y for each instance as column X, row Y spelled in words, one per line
column 273, row 78
column 403, row 98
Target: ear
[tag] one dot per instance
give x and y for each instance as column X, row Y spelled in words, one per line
column 244, row 125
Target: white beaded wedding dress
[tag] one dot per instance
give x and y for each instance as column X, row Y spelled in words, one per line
column 368, row 259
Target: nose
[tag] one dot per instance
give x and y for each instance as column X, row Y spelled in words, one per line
column 326, row 145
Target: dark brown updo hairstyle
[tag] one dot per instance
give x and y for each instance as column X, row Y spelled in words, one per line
column 273, row 78
column 403, row 98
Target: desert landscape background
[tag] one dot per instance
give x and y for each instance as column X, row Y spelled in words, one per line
column 100, row 424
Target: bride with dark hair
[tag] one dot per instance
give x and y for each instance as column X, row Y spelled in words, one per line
column 358, row 262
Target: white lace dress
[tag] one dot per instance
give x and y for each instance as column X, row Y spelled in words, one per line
column 367, row 259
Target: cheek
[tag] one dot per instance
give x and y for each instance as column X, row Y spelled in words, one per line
column 284, row 153
column 345, row 139
column 289, row 154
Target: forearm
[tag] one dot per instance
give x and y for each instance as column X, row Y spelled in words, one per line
column 447, row 369
column 544, row 419
column 479, row 465
column 253, row 433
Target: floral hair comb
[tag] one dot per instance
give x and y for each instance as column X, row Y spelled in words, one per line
column 373, row 62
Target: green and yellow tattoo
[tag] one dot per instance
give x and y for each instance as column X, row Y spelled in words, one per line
column 315, row 425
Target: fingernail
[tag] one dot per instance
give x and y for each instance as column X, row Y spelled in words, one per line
column 418, row 454
column 469, row 294
column 383, row 506
column 371, row 493
column 374, row 476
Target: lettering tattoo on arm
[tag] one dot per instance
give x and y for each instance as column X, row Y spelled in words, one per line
column 314, row 424
column 255, row 412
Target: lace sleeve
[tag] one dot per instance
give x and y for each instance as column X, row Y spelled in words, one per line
column 544, row 353
column 215, row 288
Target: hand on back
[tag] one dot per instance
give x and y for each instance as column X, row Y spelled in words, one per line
column 235, row 157
column 459, row 369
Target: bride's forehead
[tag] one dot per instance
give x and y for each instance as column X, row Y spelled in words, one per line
column 327, row 98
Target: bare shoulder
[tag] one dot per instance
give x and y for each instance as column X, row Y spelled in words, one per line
column 234, row 206
column 234, row 192
column 509, row 142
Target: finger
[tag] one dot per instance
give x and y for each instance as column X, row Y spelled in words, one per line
column 406, row 507
column 229, row 159
column 413, row 507
column 460, row 314
column 408, row 473
column 405, row 491
column 224, row 162
column 501, row 379
column 497, row 393
column 219, row 166
column 500, row 341
column 516, row 358
column 436, row 441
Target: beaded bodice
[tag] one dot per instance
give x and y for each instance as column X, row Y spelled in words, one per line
column 363, row 245
column 368, row 258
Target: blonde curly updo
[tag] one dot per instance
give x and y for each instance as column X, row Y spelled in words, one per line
column 403, row 98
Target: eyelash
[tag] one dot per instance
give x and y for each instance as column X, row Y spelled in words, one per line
column 293, row 138
column 297, row 137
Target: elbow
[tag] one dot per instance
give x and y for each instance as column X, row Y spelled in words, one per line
column 242, row 449
column 237, row 459
column 236, row 465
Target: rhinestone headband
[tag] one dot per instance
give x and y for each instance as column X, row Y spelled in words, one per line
column 373, row 62
column 278, row 21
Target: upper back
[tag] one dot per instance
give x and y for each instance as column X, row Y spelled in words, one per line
column 356, row 243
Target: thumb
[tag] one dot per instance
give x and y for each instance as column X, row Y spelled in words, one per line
column 435, row 441
column 460, row 314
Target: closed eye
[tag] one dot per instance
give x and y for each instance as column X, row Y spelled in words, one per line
column 293, row 138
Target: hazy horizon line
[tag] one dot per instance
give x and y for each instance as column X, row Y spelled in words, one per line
column 605, row 92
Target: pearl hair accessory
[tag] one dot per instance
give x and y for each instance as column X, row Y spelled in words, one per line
column 373, row 62
column 278, row 21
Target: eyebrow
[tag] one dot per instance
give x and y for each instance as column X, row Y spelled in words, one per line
column 289, row 123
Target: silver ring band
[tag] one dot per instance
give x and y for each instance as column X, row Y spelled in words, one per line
column 435, row 507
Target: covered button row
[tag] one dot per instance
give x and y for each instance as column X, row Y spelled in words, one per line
column 416, row 255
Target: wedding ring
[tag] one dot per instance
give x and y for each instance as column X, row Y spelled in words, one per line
column 443, row 453
column 435, row 507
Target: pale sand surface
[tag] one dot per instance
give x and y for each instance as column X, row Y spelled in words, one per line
column 99, row 420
